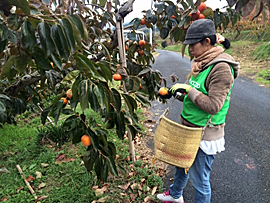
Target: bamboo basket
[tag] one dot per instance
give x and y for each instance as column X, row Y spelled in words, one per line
column 176, row 144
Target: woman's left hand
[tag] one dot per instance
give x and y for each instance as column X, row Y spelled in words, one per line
column 179, row 87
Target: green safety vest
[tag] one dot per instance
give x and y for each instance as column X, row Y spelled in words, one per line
column 194, row 114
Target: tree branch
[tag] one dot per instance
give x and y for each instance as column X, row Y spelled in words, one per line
column 22, row 83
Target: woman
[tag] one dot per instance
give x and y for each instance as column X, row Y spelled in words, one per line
column 208, row 93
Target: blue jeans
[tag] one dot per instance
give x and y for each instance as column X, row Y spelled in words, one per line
column 199, row 174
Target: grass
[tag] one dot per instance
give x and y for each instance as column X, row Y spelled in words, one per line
column 68, row 181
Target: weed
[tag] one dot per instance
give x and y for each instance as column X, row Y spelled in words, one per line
column 262, row 52
column 52, row 133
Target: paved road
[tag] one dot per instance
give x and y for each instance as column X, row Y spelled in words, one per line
column 241, row 174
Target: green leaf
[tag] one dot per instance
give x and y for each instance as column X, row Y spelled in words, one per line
column 21, row 62
column 112, row 166
column 93, row 99
column 74, row 128
column 105, row 71
column 132, row 130
column 132, row 84
column 3, row 32
column 60, row 41
column 178, row 34
column 90, row 158
column 2, row 107
column 83, row 94
column 117, row 99
column 137, row 22
column 142, row 99
column 72, row 75
column 7, row 66
column 88, row 67
column 190, row 3
column 57, row 61
column 76, row 33
column 19, row 106
column 3, row 115
column 42, row 62
column 80, row 26
column 164, row 32
column 56, row 110
column 69, row 33
column 28, row 35
column 22, row 4
column 75, row 88
column 5, row 97
column 144, row 71
column 120, row 124
column 112, row 149
column 44, row 114
column 99, row 92
column 171, row 9
column 44, row 32
column 13, row 21
column 131, row 102
column 3, row 45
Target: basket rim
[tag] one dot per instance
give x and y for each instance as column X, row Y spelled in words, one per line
column 179, row 124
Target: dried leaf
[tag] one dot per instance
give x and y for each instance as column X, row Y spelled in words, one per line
column 19, row 189
column 44, row 165
column 41, row 185
column 154, row 190
column 65, row 160
column 136, row 186
column 4, row 199
column 30, row 178
column 4, row 170
column 103, row 199
column 41, row 198
column 149, row 199
column 38, row 174
column 100, row 191
column 124, row 187
column 133, row 197
column 60, row 157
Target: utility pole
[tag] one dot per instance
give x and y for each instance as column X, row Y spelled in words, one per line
column 151, row 32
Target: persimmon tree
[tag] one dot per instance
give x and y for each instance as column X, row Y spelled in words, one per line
column 48, row 47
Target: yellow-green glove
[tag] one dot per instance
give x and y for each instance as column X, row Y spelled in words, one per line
column 179, row 87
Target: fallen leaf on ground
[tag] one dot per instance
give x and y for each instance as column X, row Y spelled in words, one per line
column 41, row 185
column 65, row 160
column 133, row 197
column 60, row 157
column 4, row 199
column 124, row 187
column 44, row 165
column 136, row 186
column 19, row 189
column 103, row 199
column 149, row 199
column 100, row 191
column 4, row 170
column 154, row 190
column 30, row 178
column 38, row 174
column 41, row 198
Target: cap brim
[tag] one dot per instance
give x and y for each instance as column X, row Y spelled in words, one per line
column 191, row 41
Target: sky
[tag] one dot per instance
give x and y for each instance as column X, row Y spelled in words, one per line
column 140, row 5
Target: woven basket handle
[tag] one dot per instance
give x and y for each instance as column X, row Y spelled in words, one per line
column 167, row 112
